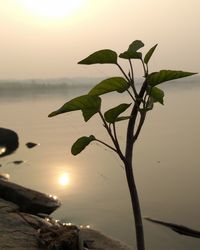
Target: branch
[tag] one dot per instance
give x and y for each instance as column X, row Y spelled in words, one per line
column 118, row 150
column 108, row 146
column 132, row 74
column 141, row 122
column 145, row 70
column 132, row 121
column 115, row 134
column 132, row 79
column 123, row 72
column 131, row 95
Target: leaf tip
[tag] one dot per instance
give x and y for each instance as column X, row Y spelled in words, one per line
column 52, row 114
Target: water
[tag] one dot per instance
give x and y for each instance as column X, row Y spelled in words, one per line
column 92, row 185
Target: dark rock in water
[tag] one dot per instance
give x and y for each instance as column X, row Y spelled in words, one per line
column 17, row 162
column 31, row 144
column 8, row 141
column 28, row 200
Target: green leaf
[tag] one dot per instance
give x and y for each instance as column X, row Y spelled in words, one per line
column 149, row 54
column 81, row 144
column 136, row 45
column 166, row 75
column 157, row 94
column 101, row 56
column 118, row 84
column 132, row 53
column 123, row 118
column 89, row 105
column 112, row 114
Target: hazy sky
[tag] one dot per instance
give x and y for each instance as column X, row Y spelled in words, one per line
column 38, row 41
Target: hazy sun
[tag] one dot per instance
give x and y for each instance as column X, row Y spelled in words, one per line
column 64, row 179
column 52, row 8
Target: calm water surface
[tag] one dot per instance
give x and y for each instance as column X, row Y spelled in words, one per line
column 92, row 185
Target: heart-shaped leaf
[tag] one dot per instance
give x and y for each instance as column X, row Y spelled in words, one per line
column 166, row 75
column 118, row 84
column 136, row 45
column 157, row 94
column 102, row 56
column 112, row 114
column 149, row 54
column 81, row 144
column 89, row 105
column 132, row 53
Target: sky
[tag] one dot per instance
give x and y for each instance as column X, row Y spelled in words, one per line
column 46, row 38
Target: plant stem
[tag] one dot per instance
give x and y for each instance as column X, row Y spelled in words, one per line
column 115, row 134
column 135, row 206
column 145, row 69
column 130, row 140
column 132, row 73
column 132, row 79
column 115, row 142
column 123, row 72
column 132, row 97
column 141, row 122
column 105, row 144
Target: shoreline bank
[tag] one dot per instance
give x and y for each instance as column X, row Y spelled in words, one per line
column 25, row 223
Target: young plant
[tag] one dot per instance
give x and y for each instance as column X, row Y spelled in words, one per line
column 140, row 100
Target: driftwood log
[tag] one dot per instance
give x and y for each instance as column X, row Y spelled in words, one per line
column 177, row 228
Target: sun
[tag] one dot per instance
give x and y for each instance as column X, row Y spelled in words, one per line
column 53, row 8
column 64, row 179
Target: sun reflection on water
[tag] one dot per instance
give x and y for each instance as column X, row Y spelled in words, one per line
column 2, row 150
column 64, row 179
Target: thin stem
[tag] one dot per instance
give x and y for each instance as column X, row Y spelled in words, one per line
column 118, row 150
column 132, row 79
column 145, row 70
column 132, row 73
column 145, row 97
column 141, row 122
column 106, row 125
column 131, row 95
column 132, row 121
column 130, row 140
column 105, row 144
column 115, row 134
column 123, row 72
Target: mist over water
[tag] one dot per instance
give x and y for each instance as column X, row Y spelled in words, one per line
column 38, row 88
column 92, row 186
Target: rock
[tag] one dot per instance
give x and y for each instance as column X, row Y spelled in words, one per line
column 28, row 200
column 31, row 144
column 8, row 141
column 93, row 239
column 61, row 237
column 7, row 206
column 15, row 232
column 18, row 162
